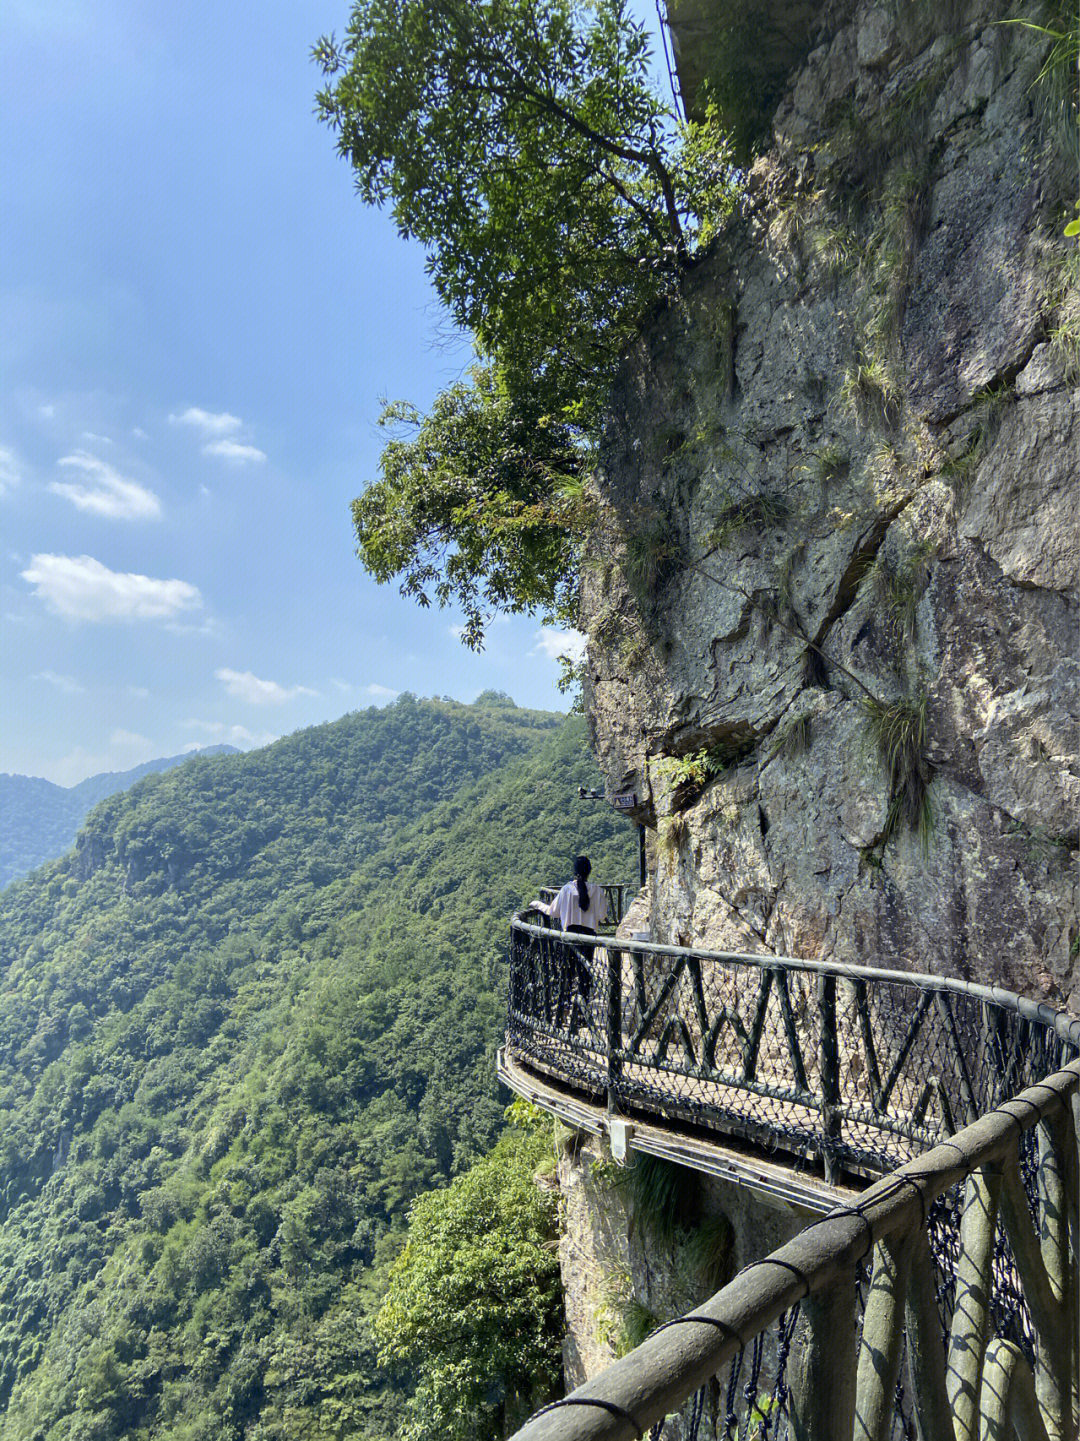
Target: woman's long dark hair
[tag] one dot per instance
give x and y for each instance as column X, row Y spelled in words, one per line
column 582, row 867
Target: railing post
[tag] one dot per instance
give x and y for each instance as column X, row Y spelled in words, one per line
column 882, row 1335
column 1045, row 1302
column 970, row 1331
column 1072, row 1202
column 1053, row 1137
column 829, row 1069
column 823, row 1388
column 614, row 1025
column 926, row 1347
column 1010, row 1407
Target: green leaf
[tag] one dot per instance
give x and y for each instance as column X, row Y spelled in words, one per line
column 558, row 197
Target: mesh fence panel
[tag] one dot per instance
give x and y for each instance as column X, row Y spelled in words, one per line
column 866, row 1073
column 861, row 1072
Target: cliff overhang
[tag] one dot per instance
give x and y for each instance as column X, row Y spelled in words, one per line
column 740, row 52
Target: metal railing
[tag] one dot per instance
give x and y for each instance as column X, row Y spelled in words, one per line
column 945, row 1302
column 615, row 893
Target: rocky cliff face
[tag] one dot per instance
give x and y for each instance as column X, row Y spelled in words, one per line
column 832, row 598
column 627, row 1266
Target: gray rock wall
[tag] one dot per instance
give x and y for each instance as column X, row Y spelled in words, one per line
column 619, row 1273
column 831, row 597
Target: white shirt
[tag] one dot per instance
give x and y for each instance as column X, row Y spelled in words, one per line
column 569, row 913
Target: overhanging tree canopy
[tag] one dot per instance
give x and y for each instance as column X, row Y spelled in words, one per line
column 478, row 503
column 557, row 196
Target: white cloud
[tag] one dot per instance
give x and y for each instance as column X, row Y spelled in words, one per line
column 47, row 412
column 125, row 749
column 66, row 683
column 129, row 740
column 206, row 625
column 241, row 736
column 343, row 686
column 137, row 692
column 234, row 451
column 78, row 587
column 243, row 685
column 10, row 471
column 222, row 434
column 108, row 493
column 98, row 439
column 557, row 643
column 236, row 735
column 381, row 692
column 209, row 423
column 138, row 432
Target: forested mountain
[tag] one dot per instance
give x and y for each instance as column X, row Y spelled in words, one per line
column 40, row 820
column 241, row 1027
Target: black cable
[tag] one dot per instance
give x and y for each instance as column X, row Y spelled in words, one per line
column 675, row 95
column 609, row 1406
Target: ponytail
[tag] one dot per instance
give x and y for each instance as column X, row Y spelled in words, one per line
column 582, row 867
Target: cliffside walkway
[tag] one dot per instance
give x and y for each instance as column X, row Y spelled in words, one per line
column 944, row 1300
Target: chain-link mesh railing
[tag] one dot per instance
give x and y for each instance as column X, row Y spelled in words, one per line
column 859, row 1069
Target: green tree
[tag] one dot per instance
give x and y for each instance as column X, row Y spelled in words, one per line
column 478, row 504
column 558, row 197
column 474, row 1298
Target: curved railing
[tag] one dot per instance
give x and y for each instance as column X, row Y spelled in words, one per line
column 859, row 1067
column 963, row 1258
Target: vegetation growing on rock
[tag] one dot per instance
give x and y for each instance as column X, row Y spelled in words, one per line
column 474, row 1305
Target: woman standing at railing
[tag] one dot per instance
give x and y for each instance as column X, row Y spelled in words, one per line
column 579, row 908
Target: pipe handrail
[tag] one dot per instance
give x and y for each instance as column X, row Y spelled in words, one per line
column 629, row 1396
column 1041, row 1013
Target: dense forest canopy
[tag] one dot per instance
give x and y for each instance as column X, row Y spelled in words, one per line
column 39, row 820
column 558, row 196
column 242, row 1026
column 474, row 1304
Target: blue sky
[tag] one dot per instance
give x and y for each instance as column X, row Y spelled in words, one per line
column 200, row 319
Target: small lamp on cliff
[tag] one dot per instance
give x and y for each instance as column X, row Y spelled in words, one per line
column 621, row 803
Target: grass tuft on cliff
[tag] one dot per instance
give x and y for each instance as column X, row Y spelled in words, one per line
column 899, row 731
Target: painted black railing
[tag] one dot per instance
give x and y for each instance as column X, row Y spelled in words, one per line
column 944, row 1301
column 615, row 894
column 859, row 1068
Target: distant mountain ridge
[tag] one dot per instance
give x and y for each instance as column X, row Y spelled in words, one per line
column 39, row 820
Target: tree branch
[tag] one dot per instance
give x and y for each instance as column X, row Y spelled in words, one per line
column 521, row 89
